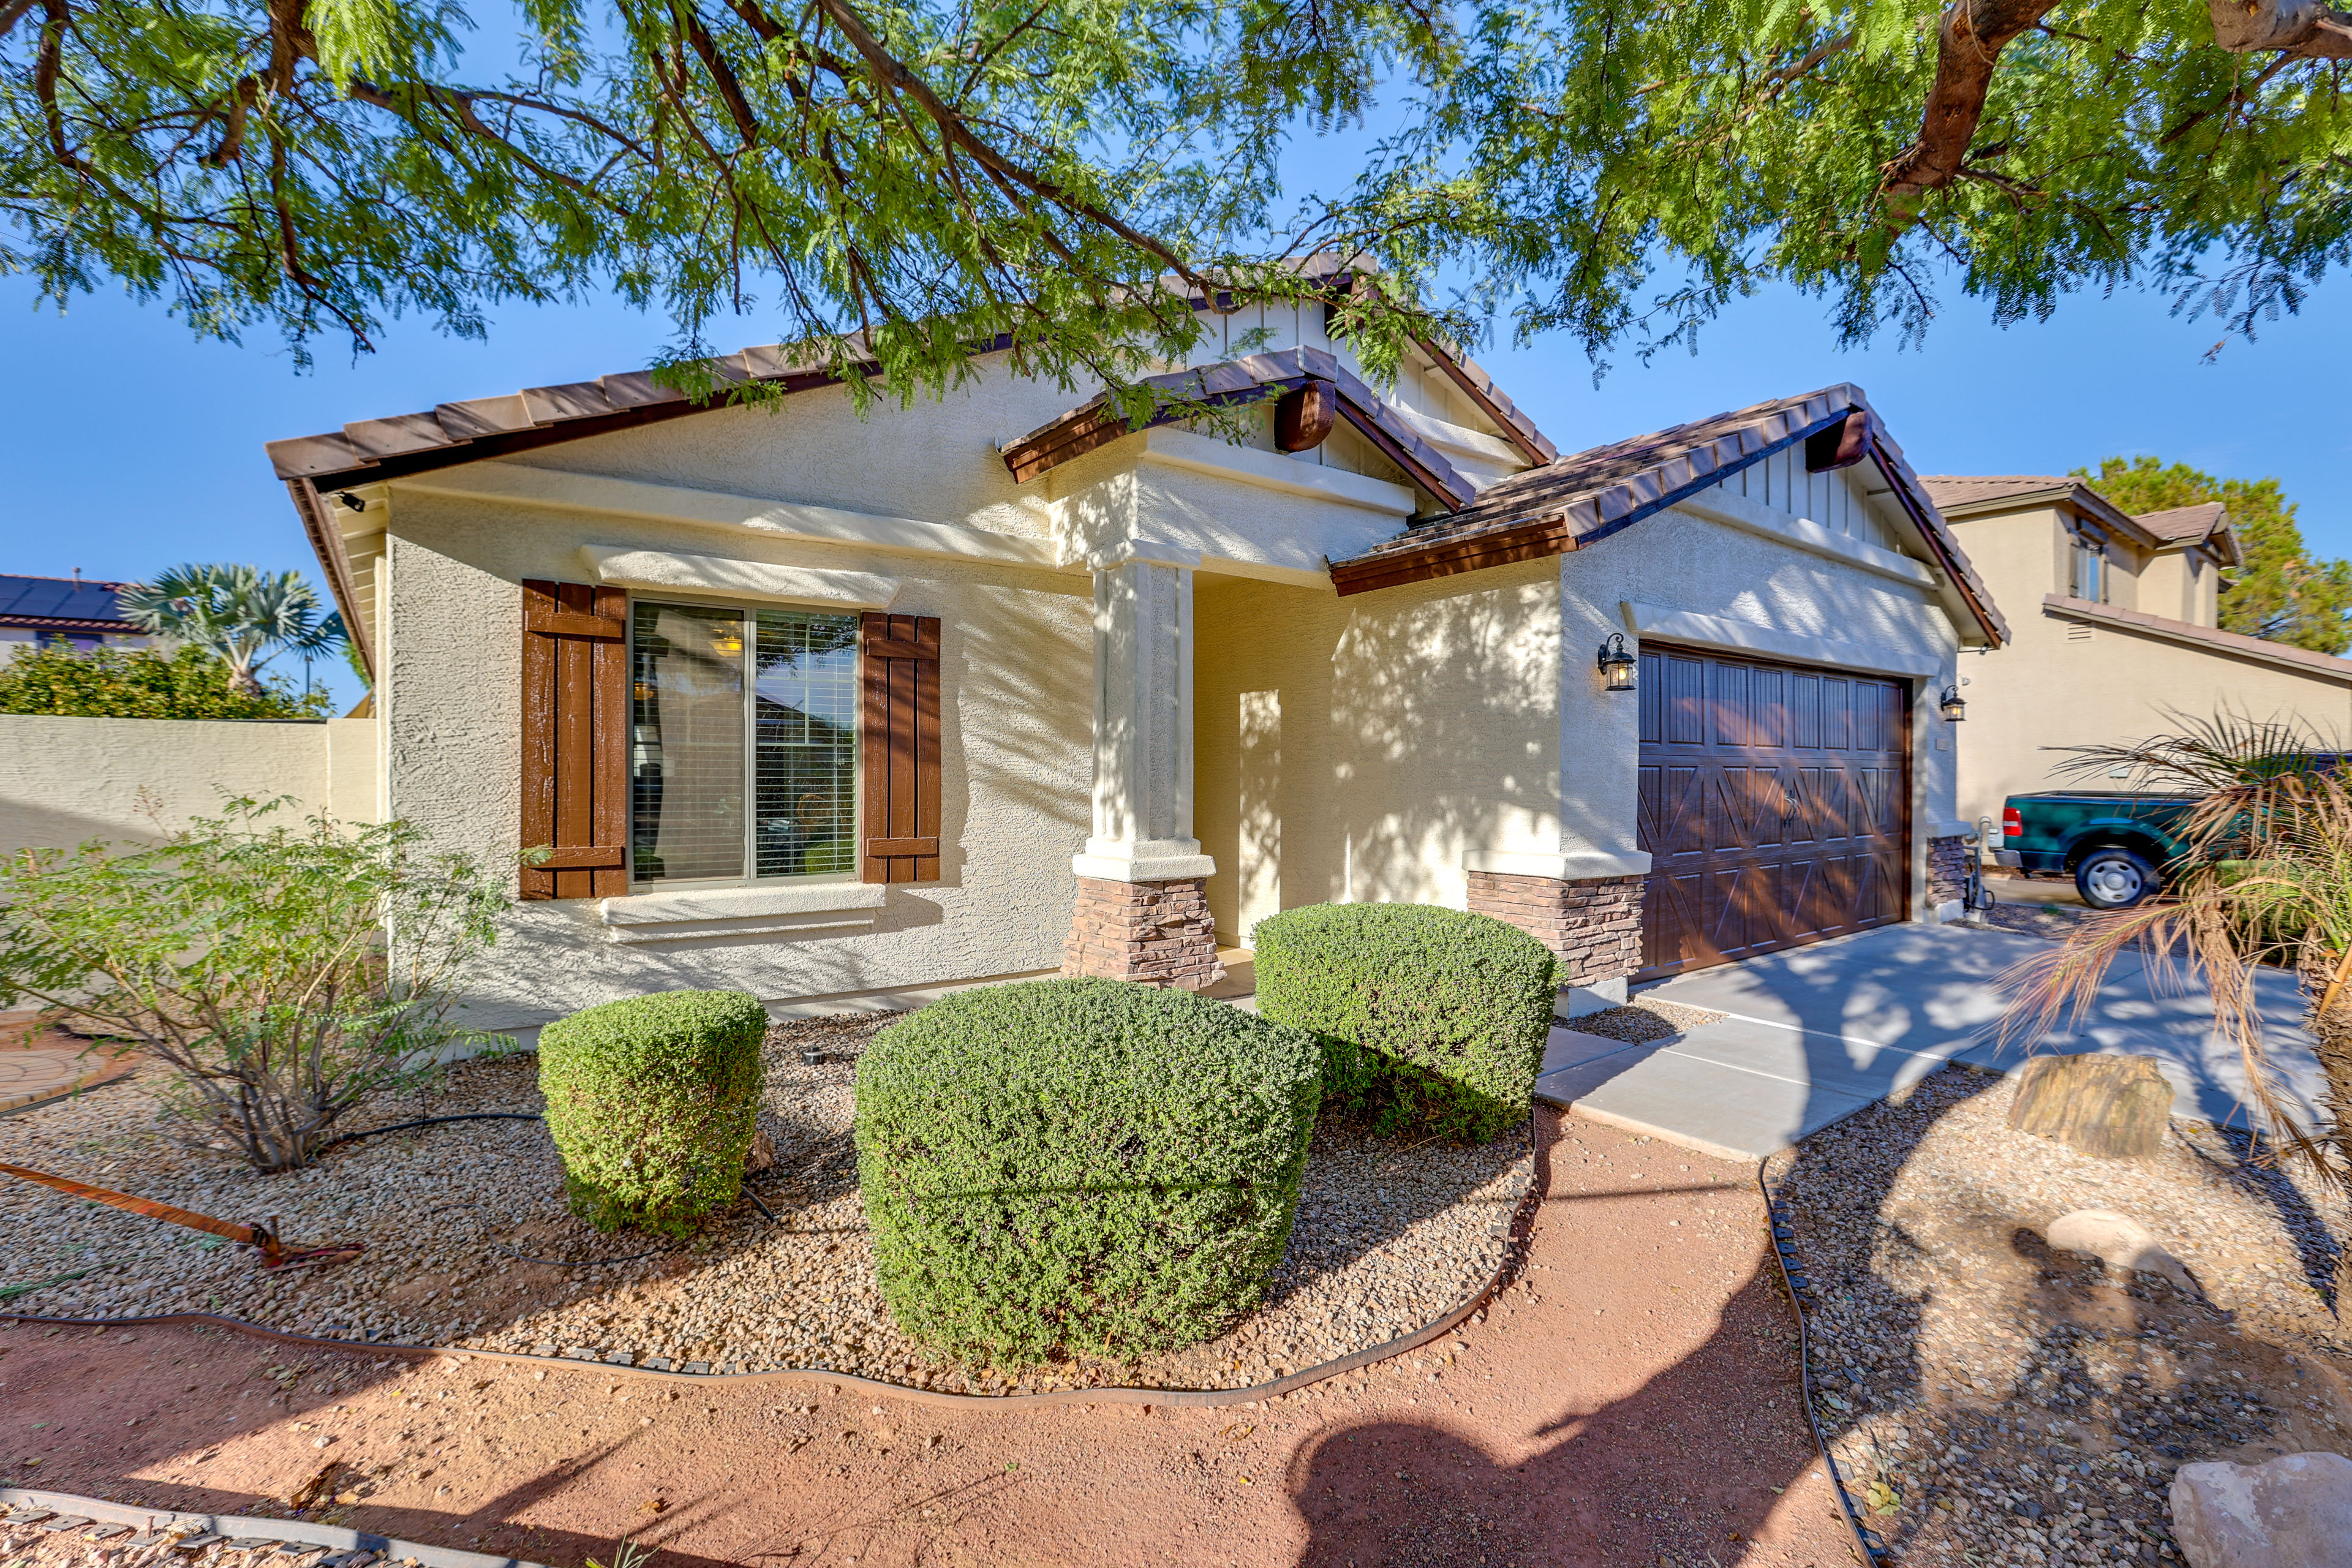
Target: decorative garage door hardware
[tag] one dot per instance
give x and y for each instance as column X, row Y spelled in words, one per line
column 1774, row 801
column 275, row 1253
column 291, row 1540
column 622, row 1363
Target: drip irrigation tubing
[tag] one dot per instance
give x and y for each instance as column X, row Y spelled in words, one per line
column 1525, row 1209
column 431, row 1121
column 1794, row 1280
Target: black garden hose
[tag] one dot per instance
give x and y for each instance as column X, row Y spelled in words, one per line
column 432, row 1121
column 1792, row 1277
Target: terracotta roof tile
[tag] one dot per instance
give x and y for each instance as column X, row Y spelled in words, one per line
column 2182, row 524
column 1596, row 492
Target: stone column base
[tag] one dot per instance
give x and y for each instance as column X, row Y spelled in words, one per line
column 1948, row 872
column 1159, row 933
column 1595, row 925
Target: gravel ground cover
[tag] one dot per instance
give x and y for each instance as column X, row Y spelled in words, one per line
column 1994, row 1401
column 469, row 1245
column 1643, row 1019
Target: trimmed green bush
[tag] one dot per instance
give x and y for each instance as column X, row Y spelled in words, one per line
column 1431, row 1020
column 1080, row 1164
column 650, row 1101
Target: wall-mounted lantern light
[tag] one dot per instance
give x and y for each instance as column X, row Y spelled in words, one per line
column 1955, row 709
column 1617, row 666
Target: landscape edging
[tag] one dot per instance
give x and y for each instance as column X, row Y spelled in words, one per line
column 240, row 1526
column 1176, row 1397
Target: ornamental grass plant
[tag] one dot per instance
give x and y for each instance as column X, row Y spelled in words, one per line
column 1080, row 1165
column 1432, row 1021
column 2266, row 878
column 651, row 1102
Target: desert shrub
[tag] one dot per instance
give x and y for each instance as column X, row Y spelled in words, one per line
column 650, row 1101
column 141, row 683
column 283, row 972
column 1082, row 1164
column 1431, row 1020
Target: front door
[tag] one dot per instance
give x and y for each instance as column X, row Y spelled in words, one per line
column 1775, row 804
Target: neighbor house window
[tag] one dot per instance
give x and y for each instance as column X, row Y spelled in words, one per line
column 2089, row 572
column 743, row 753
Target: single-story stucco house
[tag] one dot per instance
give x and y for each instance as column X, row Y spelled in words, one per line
column 2117, row 636
column 840, row 710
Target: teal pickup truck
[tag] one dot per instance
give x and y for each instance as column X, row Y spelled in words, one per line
column 2116, row 846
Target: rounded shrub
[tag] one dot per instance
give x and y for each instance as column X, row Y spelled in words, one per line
column 1431, row 1020
column 1087, row 1166
column 650, row 1101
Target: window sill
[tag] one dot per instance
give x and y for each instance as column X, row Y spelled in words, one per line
column 740, row 912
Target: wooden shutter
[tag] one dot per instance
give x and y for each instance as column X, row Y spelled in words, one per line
column 899, row 725
column 575, row 739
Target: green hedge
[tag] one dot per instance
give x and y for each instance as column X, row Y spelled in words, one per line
column 1080, row 1164
column 650, row 1101
column 1431, row 1020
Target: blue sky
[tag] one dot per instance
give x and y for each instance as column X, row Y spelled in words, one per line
column 129, row 446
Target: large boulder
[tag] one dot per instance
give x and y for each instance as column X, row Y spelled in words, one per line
column 2294, row 1511
column 2115, row 1240
column 2112, row 1106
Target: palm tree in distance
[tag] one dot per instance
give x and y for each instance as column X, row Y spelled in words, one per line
column 242, row 614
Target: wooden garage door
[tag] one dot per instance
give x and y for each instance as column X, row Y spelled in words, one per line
column 1774, row 804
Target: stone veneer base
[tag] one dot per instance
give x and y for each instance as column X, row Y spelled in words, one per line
column 1594, row 925
column 1159, row 934
column 1948, row 871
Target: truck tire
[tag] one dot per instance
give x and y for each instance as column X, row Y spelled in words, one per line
column 2114, row 879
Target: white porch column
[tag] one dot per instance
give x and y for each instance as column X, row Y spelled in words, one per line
column 1141, row 913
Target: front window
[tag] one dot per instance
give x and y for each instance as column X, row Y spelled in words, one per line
column 2090, row 572
column 729, row 778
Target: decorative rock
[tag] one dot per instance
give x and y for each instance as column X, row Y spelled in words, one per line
column 2112, row 1106
column 2294, row 1511
column 762, row 1154
column 2117, row 1240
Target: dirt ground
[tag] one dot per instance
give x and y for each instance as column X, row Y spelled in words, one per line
column 1631, row 1399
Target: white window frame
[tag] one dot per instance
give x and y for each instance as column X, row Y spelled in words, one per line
column 750, row 611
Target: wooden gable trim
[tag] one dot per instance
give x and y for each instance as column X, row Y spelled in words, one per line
column 1246, row 380
column 1529, row 541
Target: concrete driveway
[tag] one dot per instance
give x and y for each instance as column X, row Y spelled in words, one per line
column 1817, row 1033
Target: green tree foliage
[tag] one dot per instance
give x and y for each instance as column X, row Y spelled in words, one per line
column 141, row 683
column 931, row 176
column 2283, row 592
column 242, row 615
column 285, row 972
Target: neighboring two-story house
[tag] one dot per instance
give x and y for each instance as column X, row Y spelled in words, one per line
column 2115, row 621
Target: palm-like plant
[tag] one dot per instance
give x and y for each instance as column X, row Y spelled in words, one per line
column 2267, row 879
column 242, row 613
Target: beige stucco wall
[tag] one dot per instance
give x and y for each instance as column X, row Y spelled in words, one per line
column 1354, row 750
column 64, row 781
column 2062, row 683
column 1016, row 655
column 1361, row 748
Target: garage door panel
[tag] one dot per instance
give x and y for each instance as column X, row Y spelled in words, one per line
column 1774, row 804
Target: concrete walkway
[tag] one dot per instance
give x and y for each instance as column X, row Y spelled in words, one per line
column 1817, row 1033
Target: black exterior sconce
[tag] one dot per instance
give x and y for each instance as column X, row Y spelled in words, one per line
column 1618, row 666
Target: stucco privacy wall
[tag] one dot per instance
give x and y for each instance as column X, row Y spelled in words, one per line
column 64, row 781
column 1015, row 762
column 1356, row 750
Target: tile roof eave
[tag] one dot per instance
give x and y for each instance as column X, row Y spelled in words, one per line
column 1624, row 500
column 2327, row 666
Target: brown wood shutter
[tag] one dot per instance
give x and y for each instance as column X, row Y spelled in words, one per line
column 575, row 739
column 901, row 723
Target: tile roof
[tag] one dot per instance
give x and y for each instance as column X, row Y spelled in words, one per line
column 2183, row 524
column 2283, row 656
column 62, row 604
column 1967, row 490
column 1586, row 496
column 1098, row 422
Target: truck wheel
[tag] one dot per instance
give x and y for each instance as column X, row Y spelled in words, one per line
column 2114, row 879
